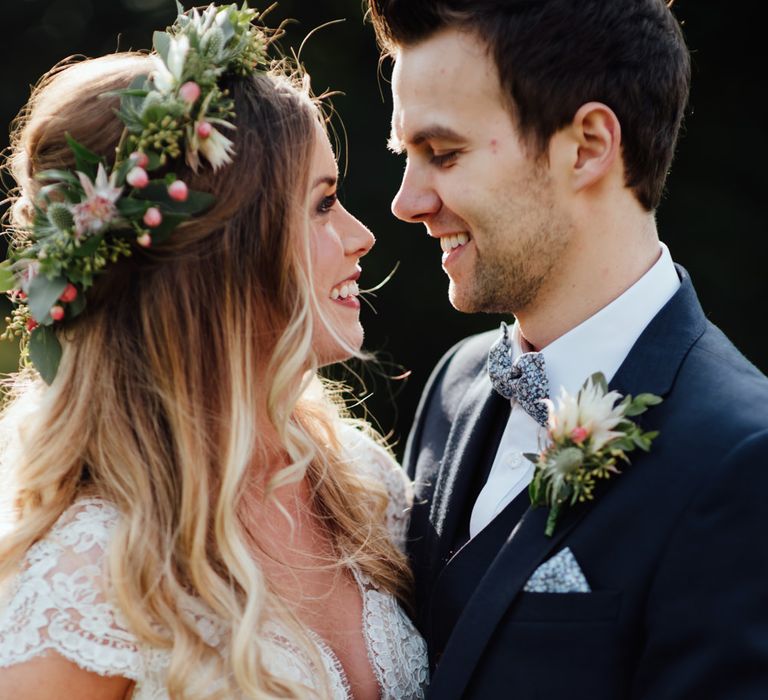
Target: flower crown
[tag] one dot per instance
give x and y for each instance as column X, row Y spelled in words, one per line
column 87, row 218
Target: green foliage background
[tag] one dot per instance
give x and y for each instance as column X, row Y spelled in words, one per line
column 712, row 217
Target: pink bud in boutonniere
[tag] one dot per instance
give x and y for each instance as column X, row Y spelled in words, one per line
column 578, row 435
column 138, row 178
column 57, row 312
column 189, row 92
column 145, row 240
column 153, row 217
column 31, row 324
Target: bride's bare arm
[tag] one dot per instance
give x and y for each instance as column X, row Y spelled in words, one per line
column 51, row 677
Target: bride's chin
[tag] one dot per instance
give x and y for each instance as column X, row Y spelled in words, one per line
column 329, row 350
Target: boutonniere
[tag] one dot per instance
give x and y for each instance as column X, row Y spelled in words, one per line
column 590, row 434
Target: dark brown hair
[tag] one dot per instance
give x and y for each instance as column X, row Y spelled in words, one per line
column 555, row 55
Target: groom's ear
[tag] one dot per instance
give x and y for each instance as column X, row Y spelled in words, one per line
column 588, row 150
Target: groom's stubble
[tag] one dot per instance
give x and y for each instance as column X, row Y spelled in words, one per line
column 520, row 244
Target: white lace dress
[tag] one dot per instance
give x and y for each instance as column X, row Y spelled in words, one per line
column 58, row 603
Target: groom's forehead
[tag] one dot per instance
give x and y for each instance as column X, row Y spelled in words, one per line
column 438, row 96
column 446, row 62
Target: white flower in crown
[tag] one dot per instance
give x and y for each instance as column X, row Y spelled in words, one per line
column 589, row 415
column 167, row 74
column 216, row 148
column 97, row 211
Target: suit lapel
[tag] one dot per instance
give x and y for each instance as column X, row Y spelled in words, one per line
column 651, row 366
column 475, row 417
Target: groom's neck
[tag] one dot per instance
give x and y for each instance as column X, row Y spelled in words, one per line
column 600, row 265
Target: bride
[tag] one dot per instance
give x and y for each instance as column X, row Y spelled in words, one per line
column 193, row 515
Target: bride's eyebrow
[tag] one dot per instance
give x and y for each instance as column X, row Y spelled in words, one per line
column 329, row 180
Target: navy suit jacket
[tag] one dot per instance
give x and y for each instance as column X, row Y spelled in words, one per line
column 675, row 548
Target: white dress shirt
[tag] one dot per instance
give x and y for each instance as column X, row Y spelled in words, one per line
column 599, row 344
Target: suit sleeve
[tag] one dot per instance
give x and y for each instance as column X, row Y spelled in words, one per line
column 707, row 612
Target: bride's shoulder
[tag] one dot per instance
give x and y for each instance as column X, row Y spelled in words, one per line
column 59, row 599
column 368, row 453
column 80, row 536
column 374, row 461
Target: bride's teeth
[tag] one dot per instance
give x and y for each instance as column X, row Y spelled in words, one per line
column 463, row 238
column 350, row 289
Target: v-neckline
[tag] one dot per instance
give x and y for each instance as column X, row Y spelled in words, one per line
column 333, row 659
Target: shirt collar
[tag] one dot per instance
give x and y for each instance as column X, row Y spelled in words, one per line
column 603, row 341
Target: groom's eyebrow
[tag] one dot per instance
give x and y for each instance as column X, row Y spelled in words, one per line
column 432, row 132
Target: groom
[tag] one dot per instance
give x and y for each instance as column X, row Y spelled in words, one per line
column 538, row 134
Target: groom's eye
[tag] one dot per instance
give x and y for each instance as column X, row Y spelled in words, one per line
column 444, row 158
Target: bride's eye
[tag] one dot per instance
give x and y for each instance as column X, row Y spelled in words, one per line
column 327, row 203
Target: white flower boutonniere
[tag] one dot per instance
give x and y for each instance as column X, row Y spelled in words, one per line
column 590, row 434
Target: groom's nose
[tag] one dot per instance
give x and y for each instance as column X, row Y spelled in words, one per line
column 417, row 200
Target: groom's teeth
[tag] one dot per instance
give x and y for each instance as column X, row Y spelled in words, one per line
column 346, row 290
column 448, row 243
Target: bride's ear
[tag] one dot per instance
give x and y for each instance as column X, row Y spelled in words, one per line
column 589, row 149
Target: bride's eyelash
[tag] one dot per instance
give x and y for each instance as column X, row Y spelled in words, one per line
column 327, row 203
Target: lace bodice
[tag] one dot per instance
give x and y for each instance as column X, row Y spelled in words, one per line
column 59, row 602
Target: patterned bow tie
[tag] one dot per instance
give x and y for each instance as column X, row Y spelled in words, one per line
column 523, row 380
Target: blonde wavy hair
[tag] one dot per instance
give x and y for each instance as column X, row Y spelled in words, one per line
column 183, row 351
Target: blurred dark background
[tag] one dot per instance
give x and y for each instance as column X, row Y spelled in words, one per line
column 711, row 218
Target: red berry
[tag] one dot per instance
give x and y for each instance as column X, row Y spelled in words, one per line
column 142, row 159
column 31, row 324
column 69, row 293
column 204, row 130
column 57, row 312
column 178, row 191
column 153, row 217
column 137, row 177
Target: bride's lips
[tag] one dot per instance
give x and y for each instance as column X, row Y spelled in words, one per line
column 345, row 292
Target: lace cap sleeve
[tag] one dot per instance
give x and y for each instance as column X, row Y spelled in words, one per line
column 58, row 603
column 379, row 464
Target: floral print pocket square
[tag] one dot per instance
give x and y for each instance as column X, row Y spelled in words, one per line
column 560, row 574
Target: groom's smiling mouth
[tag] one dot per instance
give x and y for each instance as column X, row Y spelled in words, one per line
column 449, row 243
column 452, row 245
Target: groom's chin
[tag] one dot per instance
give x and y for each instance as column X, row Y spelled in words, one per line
column 470, row 300
column 462, row 299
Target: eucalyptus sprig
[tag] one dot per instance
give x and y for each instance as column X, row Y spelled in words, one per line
column 590, row 435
